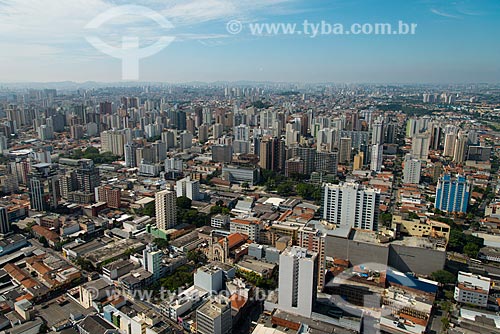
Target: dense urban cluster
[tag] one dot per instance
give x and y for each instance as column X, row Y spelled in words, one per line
column 256, row 208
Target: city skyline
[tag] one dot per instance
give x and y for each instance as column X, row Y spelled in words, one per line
column 452, row 43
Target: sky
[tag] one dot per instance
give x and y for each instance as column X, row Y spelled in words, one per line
column 455, row 41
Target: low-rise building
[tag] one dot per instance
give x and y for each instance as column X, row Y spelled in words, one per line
column 472, row 289
column 248, row 227
column 220, row 221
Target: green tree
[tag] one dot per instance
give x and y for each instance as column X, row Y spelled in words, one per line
column 475, row 240
column 161, row 243
column 446, row 323
column 305, row 190
column 214, row 210
column 43, row 241
column 197, row 256
column 245, row 185
column 413, row 215
column 471, row 250
column 91, row 150
column 457, row 240
column 182, row 276
column 183, row 202
column 443, row 277
column 149, row 210
column 285, row 188
column 386, row 219
column 84, row 264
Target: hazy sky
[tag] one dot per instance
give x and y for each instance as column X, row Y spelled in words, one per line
column 455, row 41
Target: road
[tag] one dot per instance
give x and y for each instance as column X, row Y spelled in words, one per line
column 436, row 324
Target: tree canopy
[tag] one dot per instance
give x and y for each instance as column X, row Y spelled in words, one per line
column 444, row 277
column 184, row 203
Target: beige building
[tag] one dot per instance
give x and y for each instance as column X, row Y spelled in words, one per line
column 358, row 161
column 421, row 228
column 166, row 209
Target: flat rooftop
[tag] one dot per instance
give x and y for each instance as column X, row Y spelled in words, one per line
column 213, row 307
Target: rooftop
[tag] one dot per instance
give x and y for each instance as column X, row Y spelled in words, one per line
column 214, row 307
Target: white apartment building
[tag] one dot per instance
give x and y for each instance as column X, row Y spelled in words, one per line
column 297, row 281
column 220, row 221
column 152, row 261
column 188, row 188
column 351, row 205
column 248, row 227
column 377, row 158
column 412, row 169
column 472, row 289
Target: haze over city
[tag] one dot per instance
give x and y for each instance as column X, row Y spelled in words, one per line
column 455, row 42
column 249, row 167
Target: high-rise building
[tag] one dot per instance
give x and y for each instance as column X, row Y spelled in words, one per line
column 110, row 195
column 151, row 259
column 209, row 278
column 105, row 108
column 436, row 137
column 308, row 156
column 326, row 162
column 420, row 146
column 43, row 187
column 313, row 240
column 358, row 161
column 45, row 132
column 272, row 154
column 166, row 209
column 214, row 317
column 130, row 155
column 222, row 153
column 345, row 150
column 460, row 152
column 158, row 151
column 378, row 131
column 449, row 144
column 68, row 183
column 298, row 278
column 351, row 205
column 377, row 158
column 411, row 171
column 188, row 188
column 294, row 166
column 113, row 141
column 203, row 133
column 242, row 132
column 452, row 194
column 172, row 164
column 186, row 140
column 217, row 130
column 76, row 131
column 4, row 221
column 169, row 138
column 390, row 133
column 87, row 176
